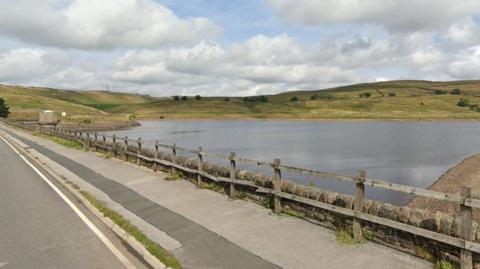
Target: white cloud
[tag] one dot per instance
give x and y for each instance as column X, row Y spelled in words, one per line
column 467, row 64
column 24, row 64
column 277, row 62
column 465, row 31
column 398, row 15
column 92, row 24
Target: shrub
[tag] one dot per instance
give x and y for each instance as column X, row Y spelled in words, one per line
column 226, row 99
column 455, row 91
column 246, row 99
column 473, row 107
column 392, row 94
column 176, row 98
column 184, row 98
column 365, row 95
column 463, row 102
column 4, row 109
column 294, row 99
column 440, row 92
column 198, row 97
column 263, row 99
column 314, row 97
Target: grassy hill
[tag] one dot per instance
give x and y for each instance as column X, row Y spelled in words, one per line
column 387, row 100
column 26, row 102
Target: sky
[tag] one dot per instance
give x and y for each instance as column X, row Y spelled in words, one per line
column 236, row 47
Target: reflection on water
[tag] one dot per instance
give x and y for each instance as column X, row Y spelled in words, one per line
column 411, row 153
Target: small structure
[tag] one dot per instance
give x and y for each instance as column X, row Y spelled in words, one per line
column 48, row 117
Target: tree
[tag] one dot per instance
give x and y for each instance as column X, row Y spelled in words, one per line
column 314, row 97
column 176, row 98
column 4, row 109
column 392, row 94
column 184, row 98
column 198, row 97
column 226, row 99
column 263, row 99
column 294, row 99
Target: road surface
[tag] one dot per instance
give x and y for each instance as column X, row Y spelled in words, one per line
column 38, row 229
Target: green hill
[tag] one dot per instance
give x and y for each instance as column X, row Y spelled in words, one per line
column 382, row 100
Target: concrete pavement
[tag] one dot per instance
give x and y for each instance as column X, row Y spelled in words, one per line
column 254, row 237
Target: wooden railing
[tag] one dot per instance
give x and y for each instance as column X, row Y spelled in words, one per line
column 466, row 203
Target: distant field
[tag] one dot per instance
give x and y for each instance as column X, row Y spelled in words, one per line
column 388, row 100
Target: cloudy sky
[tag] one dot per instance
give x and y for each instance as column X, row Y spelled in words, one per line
column 236, row 47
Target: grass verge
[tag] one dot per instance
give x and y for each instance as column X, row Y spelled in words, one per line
column 155, row 249
column 61, row 141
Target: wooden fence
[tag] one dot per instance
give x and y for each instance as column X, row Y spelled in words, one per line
column 465, row 201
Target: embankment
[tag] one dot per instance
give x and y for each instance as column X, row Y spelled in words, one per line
column 466, row 173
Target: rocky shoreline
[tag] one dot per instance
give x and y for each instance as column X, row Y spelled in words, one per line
column 466, row 173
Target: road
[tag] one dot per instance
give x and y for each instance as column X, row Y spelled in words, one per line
column 38, row 229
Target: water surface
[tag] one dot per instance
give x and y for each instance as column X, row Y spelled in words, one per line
column 411, row 153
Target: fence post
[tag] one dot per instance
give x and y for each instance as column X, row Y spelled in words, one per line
column 466, row 261
column 174, row 157
column 104, row 141
column 139, row 149
column 126, row 148
column 88, row 140
column 231, row 191
column 95, row 141
column 199, row 166
column 155, row 157
column 277, row 183
column 358, row 204
column 114, row 145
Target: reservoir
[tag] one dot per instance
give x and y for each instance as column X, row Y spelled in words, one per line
column 413, row 153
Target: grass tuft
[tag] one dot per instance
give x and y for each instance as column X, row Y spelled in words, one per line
column 268, row 202
column 367, row 234
column 210, row 186
column 345, row 237
column 293, row 213
column 444, row 264
column 173, row 177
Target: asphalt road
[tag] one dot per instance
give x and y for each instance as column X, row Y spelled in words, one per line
column 38, row 229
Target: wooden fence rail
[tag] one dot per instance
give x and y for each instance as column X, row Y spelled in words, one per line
column 464, row 242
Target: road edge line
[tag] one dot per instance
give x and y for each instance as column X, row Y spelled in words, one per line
column 128, row 239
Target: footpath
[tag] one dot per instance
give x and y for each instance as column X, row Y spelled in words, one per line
column 205, row 229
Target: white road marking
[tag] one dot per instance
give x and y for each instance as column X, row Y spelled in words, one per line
column 90, row 225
